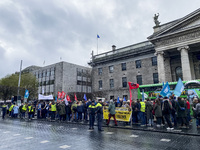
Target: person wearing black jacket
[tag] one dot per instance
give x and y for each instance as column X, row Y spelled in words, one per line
column 173, row 111
column 99, row 111
column 92, row 111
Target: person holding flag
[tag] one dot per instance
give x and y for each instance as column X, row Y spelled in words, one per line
column 85, row 98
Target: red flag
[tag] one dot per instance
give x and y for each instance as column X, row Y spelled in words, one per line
column 68, row 98
column 133, row 85
column 59, row 95
column 63, row 95
column 75, row 97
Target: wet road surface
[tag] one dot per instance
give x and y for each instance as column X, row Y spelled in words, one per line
column 42, row 135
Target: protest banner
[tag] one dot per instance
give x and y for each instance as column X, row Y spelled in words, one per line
column 122, row 114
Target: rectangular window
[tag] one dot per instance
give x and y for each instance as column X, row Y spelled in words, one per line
column 40, row 75
column 154, row 61
column 155, row 78
column 139, row 79
column 100, row 71
column 124, row 82
column 111, row 83
column 112, row 97
column 100, row 84
column 111, row 69
column 123, row 66
column 44, row 74
column 138, row 63
column 48, row 73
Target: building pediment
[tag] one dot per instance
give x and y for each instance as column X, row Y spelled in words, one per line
column 187, row 23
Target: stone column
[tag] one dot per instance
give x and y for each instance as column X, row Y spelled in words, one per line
column 161, row 66
column 192, row 67
column 168, row 74
column 185, row 63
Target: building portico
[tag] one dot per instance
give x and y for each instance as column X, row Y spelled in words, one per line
column 182, row 36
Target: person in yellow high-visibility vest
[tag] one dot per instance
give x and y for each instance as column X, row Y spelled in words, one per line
column 53, row 111
column 4, row 109
column 30, row 111
column 11, row 110
column 24, row 109
column 142, row 113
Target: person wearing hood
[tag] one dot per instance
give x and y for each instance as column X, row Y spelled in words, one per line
column 112, row 112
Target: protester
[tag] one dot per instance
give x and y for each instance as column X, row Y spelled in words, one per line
column 166, row 111
column 148, row 110
column 158, row 112
column 74, row 111
column 181, row 113
column 80, row 110
column 188, row 111
column 142, row 113
column 197, row 111
column 134, row 112
column 15, row 111
column 173, row 111
column 68, row 110
column 112, row 112
column 62, row 112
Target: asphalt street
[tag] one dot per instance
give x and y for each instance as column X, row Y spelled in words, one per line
column 36, row 135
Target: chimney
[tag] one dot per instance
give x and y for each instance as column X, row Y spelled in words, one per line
column 113, row 47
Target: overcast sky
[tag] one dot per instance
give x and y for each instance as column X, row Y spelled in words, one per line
column 45, row 30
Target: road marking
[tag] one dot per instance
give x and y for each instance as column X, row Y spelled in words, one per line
column 44, row 141
column 6, row 132
column 74, row 128
column 27, row 138
column 134, row 136
column 16, row 134
column 49, row 125
column 109, row 132
column 165, row 140
column 90, row 130
column 61, row 126
column 65, row 146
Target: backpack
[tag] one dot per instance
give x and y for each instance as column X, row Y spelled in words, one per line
column 74, row 108
column 166, row 107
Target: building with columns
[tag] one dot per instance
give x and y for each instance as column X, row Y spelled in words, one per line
column 177, row 47
column 172, row 51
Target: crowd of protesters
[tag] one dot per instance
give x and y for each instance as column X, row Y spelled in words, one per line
column 169, row 112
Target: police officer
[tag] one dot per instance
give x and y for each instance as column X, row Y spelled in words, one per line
column 24, row 108
column 4, row 107
column 11, row 110
column 53, row 111
column 99, row 111
column 30, row 111
column 92, row 111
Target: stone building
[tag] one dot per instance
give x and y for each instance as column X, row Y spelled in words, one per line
column 173, row 51
column 62, row 76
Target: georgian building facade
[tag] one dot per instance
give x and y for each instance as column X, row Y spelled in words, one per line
column 172, row 51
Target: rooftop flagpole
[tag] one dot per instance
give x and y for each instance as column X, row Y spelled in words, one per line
column 97, row 42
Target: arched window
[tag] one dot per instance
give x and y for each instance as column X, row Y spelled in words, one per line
column 179, row 73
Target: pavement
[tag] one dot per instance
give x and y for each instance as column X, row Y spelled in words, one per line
column 16, row 134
